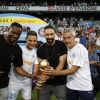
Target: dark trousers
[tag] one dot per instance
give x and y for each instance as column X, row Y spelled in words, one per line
column 76, row 94
column 59, row 91
column 96, row 84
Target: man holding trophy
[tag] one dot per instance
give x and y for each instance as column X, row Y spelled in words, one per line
column 52, row 54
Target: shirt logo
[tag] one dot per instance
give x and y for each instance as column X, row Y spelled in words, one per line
column 12, row 57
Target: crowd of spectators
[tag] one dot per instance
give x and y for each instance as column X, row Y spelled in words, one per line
column 87, row 31
column 88, row 28
column 48, row 3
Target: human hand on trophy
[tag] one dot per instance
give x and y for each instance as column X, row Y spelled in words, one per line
column 41, row 76
column 49, row 71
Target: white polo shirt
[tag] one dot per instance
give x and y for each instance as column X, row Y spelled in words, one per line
column 81, row 80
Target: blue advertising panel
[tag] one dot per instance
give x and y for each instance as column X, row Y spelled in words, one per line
column 27, row 21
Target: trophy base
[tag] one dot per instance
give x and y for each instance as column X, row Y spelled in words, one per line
column 39, row 86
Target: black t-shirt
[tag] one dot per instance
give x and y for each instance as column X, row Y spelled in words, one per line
column 9, row 54
column 52, row 54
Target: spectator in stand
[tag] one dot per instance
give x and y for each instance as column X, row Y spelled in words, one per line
column 58, row 35
column 83, row 39
column 98, row 41
column 93, row 58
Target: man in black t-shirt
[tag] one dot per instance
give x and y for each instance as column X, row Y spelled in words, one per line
column 10, row 54
column 55, row 52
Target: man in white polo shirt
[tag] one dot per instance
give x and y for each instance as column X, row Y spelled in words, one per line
column 79, row 84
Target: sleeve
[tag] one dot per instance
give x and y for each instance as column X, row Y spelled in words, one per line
column 63, row 48
column 18, row 62
column 40, row 52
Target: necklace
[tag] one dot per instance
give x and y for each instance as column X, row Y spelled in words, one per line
column 49, row 51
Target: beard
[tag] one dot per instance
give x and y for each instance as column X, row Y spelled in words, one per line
column 50, row 41
column 12, row 39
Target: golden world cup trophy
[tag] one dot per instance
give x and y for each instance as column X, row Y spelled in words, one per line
column 42, row 65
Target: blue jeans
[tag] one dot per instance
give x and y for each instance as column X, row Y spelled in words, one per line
column 76, row 94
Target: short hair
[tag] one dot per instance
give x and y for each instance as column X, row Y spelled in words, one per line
column 33, row 33
column 49, row 27
column 72, row 31
column 15, row 24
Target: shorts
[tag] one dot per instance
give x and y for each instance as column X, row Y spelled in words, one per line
column 14, row 87
column 3, row 93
